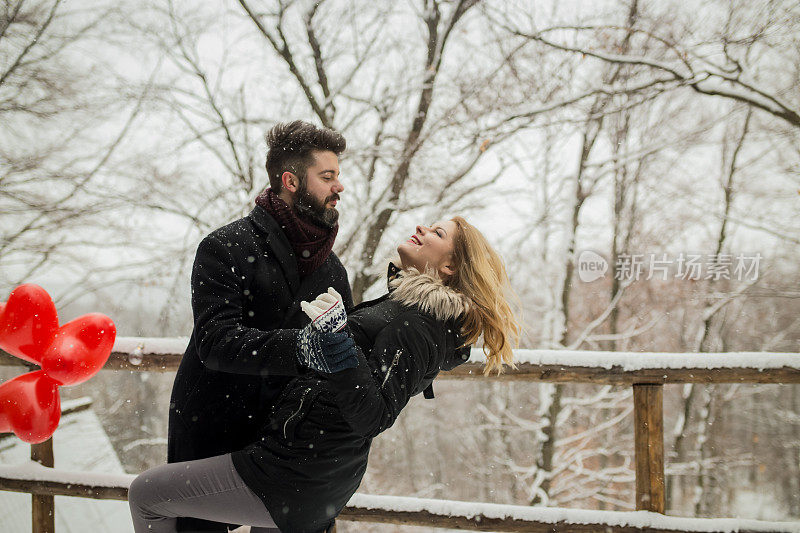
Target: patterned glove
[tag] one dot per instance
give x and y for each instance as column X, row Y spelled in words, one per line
column 326, row 351
column 327, row 311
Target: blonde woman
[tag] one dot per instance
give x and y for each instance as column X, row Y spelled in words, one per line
column 448, row 290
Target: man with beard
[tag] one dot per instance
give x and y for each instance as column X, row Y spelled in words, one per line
column 248, row 280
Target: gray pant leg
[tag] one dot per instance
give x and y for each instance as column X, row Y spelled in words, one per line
column 209, row 489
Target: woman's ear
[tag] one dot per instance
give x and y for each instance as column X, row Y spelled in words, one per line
column 289, row 181
column 447, row 270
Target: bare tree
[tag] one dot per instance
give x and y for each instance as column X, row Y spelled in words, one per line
column 721, row 61
column 397, row 127
column 65, row 120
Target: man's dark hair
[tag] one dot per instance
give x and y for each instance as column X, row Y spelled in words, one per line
column 290, row 146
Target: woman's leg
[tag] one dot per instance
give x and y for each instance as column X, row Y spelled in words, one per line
column 210, row 489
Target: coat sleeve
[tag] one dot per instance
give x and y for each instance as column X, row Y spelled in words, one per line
column 344, row 286
column 223, row 342
column 347, row 296
column 372, row 395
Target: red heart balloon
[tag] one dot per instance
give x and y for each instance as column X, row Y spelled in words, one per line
column 80, row 348
column 30, row 407
column 28, row 322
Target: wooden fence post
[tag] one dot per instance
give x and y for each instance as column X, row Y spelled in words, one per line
column 43, row 507
column 648, row 415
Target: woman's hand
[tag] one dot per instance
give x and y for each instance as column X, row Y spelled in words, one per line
column 322, row 345
column 325, row 351
column 327, row 312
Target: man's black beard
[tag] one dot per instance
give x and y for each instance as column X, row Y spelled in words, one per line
column 309, row 207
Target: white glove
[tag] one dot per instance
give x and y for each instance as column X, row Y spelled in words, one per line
column 327, row 312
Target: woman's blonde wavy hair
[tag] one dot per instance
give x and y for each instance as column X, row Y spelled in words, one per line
column 480, row 275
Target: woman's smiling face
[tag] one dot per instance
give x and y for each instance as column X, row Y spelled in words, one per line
column 430, row 247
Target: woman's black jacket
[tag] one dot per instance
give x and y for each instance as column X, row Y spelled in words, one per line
column 313, row 452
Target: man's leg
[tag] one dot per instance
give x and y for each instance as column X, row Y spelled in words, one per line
column 210, row 489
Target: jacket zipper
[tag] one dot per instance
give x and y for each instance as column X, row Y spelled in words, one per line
column 302, row 399
column 394, row 363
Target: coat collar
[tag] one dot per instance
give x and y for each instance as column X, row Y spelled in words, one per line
column 279, row 243
column 430, row 294
column 426, row 291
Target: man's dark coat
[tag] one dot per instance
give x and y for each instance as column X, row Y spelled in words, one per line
column 246, row 295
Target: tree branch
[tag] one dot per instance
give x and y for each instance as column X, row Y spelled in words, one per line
column 283, row 50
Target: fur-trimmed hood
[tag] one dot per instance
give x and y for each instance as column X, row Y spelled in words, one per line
column 426, row 291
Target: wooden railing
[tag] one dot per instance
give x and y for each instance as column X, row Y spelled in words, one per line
column 645, row 372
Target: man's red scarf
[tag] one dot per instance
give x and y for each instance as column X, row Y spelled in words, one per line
column 312, row 243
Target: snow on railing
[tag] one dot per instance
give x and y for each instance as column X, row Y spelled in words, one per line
column 630, row 361
column 477, row 516
column 155, row 354
column 494, row 517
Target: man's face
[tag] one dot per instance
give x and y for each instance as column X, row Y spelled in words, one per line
column 318, row 195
